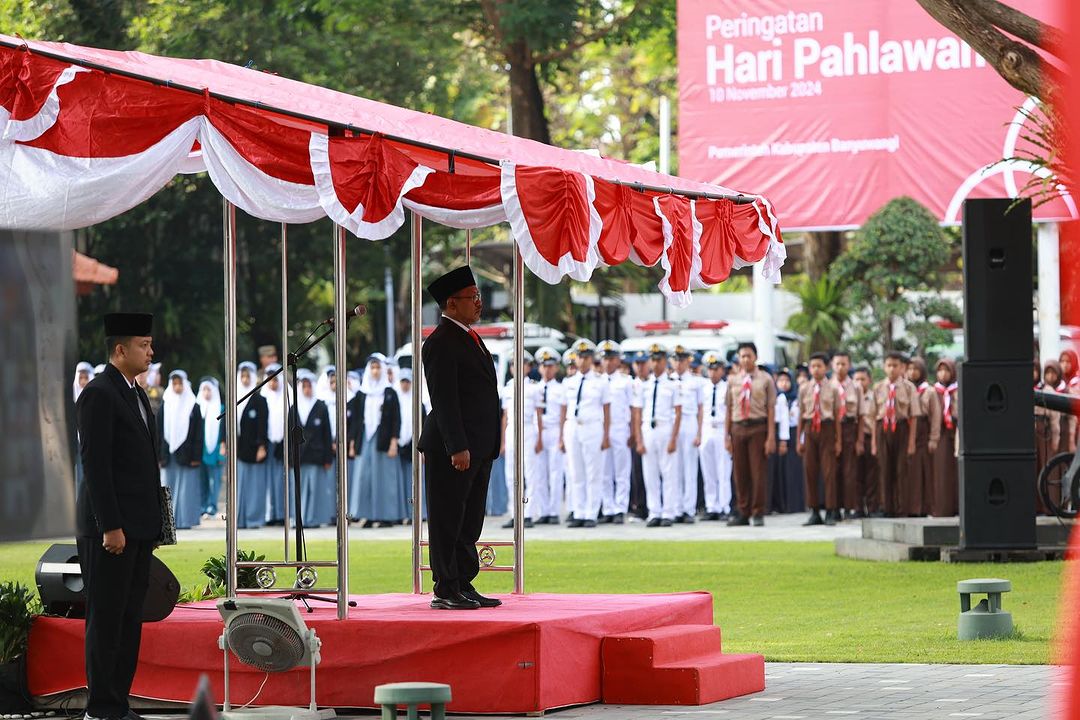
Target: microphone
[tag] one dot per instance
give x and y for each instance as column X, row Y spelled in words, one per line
column 1059, row 402
column 358, row 311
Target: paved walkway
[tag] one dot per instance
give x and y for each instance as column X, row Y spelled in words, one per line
column 810, row 691
column 777, row 527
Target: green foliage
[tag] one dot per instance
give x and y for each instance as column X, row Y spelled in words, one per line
column 216, row 570
column 19, row 605
column 900, row 249
column 924, row 329
column 822, row 315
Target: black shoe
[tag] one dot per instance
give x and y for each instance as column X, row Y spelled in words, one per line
column 575, row 523
column 857, row 515
column 724, row 516
column 588, row 523
column 712, row 517
column 688, row 519
column 814, row 519
column 758, row 521
column 457, row 602
column 618, row 518
column 367, row 524
column 508, row 524
column 605, row 519
column 554, row 520
column 831, row 517
column 570, row 518
column 665, row 523
column 542, row 520
column 654, row 522
column 132, row 715
column 528, row 523
column 485, row 602
column 738, row 521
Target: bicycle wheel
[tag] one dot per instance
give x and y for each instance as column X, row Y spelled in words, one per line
column 1060, row 500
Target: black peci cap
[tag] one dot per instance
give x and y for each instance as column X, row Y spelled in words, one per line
column 128, row 324
column 450, row 283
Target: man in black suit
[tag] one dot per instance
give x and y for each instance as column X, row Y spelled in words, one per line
column 460, row 439
column 118, row 512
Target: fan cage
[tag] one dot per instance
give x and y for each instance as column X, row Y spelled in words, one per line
column 286, row 644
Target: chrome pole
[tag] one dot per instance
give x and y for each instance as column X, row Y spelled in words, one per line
column 468, row 246
column 229, row 251
column 519, row 423
column 285, row 377
column 417, row 237
column 342, row 445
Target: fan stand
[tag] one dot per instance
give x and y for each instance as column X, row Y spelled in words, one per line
column 276, row 712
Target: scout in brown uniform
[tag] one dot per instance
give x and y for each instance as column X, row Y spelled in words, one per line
column 819, row 439
column 915, row 498
column 868, row 467
column 751, row 433
column 851, row 439
column 895, row 429
column 945, row 501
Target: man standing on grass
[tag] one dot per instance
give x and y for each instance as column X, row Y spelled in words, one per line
column 118, row 512
column 460, row 440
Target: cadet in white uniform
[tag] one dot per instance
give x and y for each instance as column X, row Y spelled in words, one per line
column 661, row 415
column 616, row 483
column 692, row 390
column 588, row 415
column 550, row 459
column 715, row 458
column 532, row 416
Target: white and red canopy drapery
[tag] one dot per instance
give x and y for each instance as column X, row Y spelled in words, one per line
column 80, row 144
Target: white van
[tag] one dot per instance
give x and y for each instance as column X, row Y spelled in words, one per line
column 704, row 335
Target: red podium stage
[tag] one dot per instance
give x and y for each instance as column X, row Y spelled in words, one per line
column 535, row 653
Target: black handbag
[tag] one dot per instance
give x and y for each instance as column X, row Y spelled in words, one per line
column 168, row 522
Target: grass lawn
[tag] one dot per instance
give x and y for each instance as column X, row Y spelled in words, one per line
column 789, row 601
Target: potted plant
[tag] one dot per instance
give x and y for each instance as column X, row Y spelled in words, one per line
column 19, row 606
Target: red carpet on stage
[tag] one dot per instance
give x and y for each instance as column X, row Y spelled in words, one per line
column 535, row 653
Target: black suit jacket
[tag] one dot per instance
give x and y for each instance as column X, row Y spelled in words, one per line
column 465, row 409
column 120, row 460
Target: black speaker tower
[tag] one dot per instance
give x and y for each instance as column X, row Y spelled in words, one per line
column 997, row 439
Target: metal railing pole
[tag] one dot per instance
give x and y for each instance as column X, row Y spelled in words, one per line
column 519, row 423
column 417, row 242
column 229, row 252
column 285, row 379
column 340, row 319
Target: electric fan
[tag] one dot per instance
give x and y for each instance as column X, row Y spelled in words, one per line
column 269, row 634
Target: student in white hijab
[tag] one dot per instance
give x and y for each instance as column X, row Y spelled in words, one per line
column 252, row 422
column 354, row 408
column 213, row 457
column 326, row 391
column 380, row 497
column 275, row 393
column 404, row 391
column 316, row 452
column 181, row 428
column 84, row 373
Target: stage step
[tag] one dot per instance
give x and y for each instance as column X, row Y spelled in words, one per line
column 676, row 665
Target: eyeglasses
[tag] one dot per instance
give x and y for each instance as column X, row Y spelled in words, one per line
column 475, row 297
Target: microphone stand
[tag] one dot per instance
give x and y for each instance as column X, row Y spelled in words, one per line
column 295, row 439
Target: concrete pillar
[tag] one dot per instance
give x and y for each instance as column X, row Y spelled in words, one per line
column 1049, row 292
column 765, row 334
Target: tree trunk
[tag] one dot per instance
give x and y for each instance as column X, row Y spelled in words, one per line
column 526, row 97
column 819, row 252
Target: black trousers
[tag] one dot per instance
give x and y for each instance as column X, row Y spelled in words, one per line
column 115, row 591
column 455, row 502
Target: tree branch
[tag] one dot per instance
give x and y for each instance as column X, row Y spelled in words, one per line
column 1021, row 25
column 1014, row 61
column 586, row 39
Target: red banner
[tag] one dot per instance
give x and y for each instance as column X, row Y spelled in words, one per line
column 831, row 108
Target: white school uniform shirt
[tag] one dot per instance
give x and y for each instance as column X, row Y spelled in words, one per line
column 668, row 397
column 622, row 396
column 715, row 404
column 550, row 396
column 693, row 397
column 529, row 407
column 783, row 412
column 595, row 393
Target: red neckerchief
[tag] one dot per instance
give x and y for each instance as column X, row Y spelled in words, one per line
column 744, row 396
column 889, row 421
column 946, row 393
column 815, row 422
